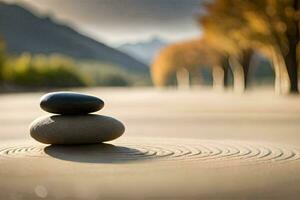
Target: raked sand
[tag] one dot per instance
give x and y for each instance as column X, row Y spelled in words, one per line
column 177, row 145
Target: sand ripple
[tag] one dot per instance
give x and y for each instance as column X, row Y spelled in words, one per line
column 179, row 150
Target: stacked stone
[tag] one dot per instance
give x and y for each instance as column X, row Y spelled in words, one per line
column 73, row 123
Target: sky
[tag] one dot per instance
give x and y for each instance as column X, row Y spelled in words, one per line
column 120, row 21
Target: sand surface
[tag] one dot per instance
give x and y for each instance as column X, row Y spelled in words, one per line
column 177, row 145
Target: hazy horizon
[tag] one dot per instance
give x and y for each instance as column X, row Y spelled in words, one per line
column 115, row 22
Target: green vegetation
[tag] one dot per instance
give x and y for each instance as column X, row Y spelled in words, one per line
column 41, row 71
column 28, row 71
column 60, row 71
column 2, row 58
column 105, row 74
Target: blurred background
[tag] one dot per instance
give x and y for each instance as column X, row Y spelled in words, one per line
column 231, row 45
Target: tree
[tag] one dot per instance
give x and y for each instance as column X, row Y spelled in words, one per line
column 184, row 57
column 291, row 18
column 221, row 28
column 268, row 26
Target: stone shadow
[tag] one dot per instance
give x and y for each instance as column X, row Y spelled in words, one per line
column 96, row 153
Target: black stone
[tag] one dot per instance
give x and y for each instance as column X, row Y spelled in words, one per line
column 70, row 103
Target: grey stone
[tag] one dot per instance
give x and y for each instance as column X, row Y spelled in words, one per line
column 70, row 103
column 76, row 129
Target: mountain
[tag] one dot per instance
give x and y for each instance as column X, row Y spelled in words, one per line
column 145, row 51
column 25, row 31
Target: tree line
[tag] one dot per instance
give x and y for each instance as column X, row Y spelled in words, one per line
column 233, row 31
column 38, row 71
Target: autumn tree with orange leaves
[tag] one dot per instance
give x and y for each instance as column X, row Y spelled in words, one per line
column 183, row 57
column 239, row 27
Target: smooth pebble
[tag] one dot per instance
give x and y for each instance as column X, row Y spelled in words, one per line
column 76, row 129
column 70, row 103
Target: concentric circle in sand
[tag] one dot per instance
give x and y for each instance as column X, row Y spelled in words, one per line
column 173, row 150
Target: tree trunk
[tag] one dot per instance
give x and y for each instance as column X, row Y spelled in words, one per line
column 226, row 68
column 218, row 77
column 225, row 78
column 183, row 78
column 240, row 69
column 292, row 68
column 282, row 81
column 276, row 67
column 238, row 75
column 246, row 60
column 291, row 59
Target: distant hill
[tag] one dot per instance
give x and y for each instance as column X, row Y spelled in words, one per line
column 144, row 51
column 24, row 31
